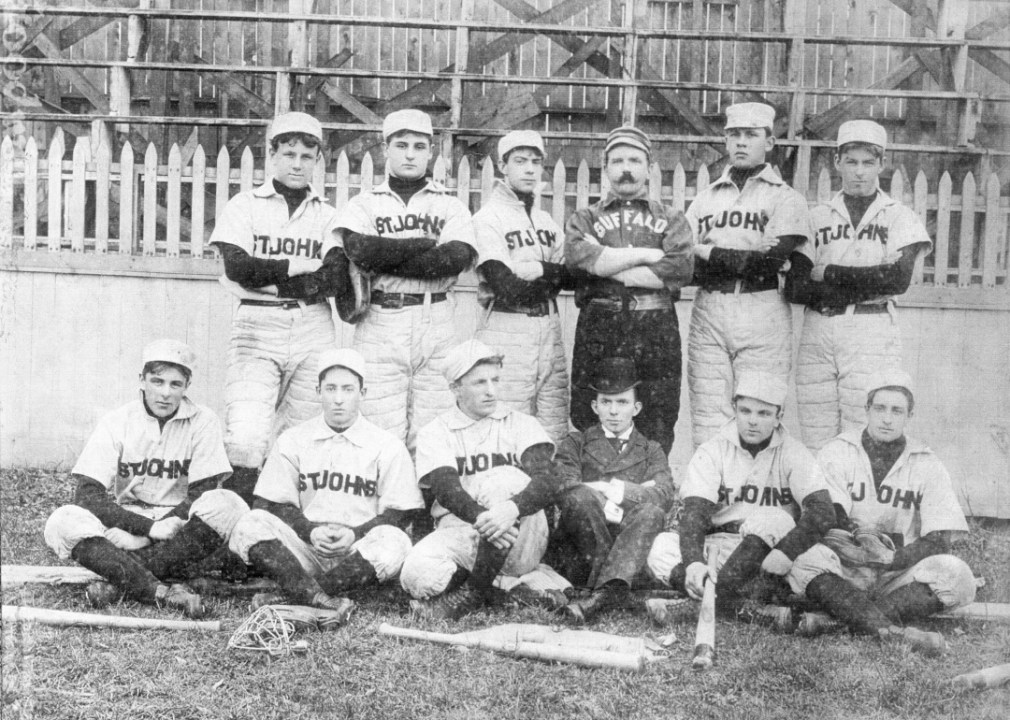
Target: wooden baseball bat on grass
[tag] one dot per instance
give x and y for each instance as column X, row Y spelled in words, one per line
column 490, row 640
column 17, row 613
column 704, row 638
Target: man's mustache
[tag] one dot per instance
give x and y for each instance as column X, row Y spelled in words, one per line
column 626, row 177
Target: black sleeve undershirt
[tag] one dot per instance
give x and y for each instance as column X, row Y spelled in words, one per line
column 373, row 253
column 94, row 497
column 389, row 516
column 446, row 260
column 694, row 524
column 538, row 463
column 251, row 272
column 817, row 518
column 444, row 483
column 934, row 543
column 726, row 264
column 194, row 491
column 514, row 291
column 291, row 515
column 889, row 279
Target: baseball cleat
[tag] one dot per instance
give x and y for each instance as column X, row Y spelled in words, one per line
column 340, row 608
column 548, row 599
column 448, row 606
column 927, row 643
column 180, row 597
column 663, row 610
column 818, row 623
column 102, row 594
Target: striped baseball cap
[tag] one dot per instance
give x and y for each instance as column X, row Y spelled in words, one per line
column 627, row 135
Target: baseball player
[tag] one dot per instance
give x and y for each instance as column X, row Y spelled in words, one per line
column 747, row 225
column 521, row 272
column 331, row 498
column 270, row 239
column 413, row 237
column 162, row 457
column 894, row 485
column 490, row 471
column 616, row 489
column 638, row 254
column 863, row 252
column 752, row 493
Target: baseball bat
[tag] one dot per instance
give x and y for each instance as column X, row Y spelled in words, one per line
column 704, row 638
column 583, row 657
column 986, row 678
column 994, row 612
column 17, row 613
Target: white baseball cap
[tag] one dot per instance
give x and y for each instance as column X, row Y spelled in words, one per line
column 171, row 351
column 520, row 138
column 762, row 386
column 296, row 122
column 865, row 131
column 462, row 358
column 341, row 357
column 750, row 115
column 889, row 377
column 412, row 120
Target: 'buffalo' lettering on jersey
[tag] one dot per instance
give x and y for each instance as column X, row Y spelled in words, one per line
column 517, row 239
column 733, row 218
column 755, row 495
column 337, row 482
column 825, row 235
column 154, row 467
column 481, row 462
column 886, row 495
column 429, row 225
column 305, row 247
column 630, row 217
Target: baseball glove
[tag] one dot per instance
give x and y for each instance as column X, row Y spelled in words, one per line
column 863, row 548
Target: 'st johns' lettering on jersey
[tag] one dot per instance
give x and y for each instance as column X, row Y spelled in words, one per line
column 519, row 238
column 305, row 247
column 871, row 232
column 481, row 462
column 337, row 482
column 431, row 226
column 735, row 219
column 754, row 495
column 886, row 495
column 629, row 218
column 154, row 467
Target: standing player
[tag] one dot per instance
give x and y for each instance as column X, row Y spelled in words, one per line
column 330, row 498
column 893, row 485
column 521, row 272
column 753, row 494
column 864, row 250
column 747, row 225
column 162, row 457
column 414, row 238
column 638, row 254
column 616, row 489
column 270, row 238
column 490, row 471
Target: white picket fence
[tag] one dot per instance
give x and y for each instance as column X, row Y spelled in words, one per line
column 152, row 209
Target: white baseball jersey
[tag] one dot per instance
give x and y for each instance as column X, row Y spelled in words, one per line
column 782, row 475
column 140, row 462
column 915, row 498
column 258, row 222
column 432, row 212
column 473, row 447
column 723, row 216
column 886, row 227
column 505, row 232
column 347, row 478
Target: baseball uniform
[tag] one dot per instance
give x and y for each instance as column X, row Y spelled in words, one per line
column 269, row 383
column 409, row 325
column 635, row 323
column 487, row 454
column 148, row 470
column 855, row 332
column 335, row 478
column 534, row 376
column 739, row 320
column 915, row 498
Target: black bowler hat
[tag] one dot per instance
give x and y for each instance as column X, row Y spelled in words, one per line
column 615, row 375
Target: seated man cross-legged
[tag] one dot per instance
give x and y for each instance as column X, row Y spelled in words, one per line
column 330, row 499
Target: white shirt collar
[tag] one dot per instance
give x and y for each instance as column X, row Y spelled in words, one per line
column 625, row 436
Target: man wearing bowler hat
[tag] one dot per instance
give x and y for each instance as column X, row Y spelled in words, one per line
column 616, row 489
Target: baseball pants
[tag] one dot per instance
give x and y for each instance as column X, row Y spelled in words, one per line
column 651, row 339
column 837, row 355
column 731, row 333
column 534, row 377
column 270, row 383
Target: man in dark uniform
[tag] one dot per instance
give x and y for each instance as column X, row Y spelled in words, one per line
column 616, row 490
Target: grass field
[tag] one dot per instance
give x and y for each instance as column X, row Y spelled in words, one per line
column 352, row 672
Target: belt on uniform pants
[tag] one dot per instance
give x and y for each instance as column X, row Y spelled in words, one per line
column 856, row 310
column 745, row 285
column 538, row 310
column 399, row 300
column 282, row 304
column 650, row 301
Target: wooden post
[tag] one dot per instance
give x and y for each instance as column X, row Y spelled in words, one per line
column 634, row 15
column 951, row 21
column 456, row 97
